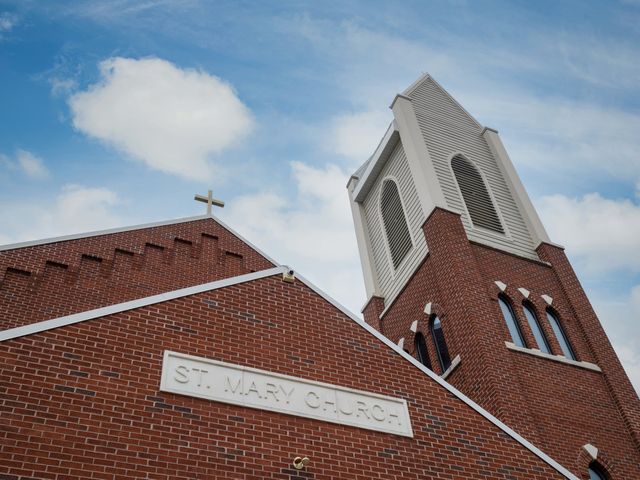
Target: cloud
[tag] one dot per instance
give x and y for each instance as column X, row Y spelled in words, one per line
column 619, row 315
column 75, row 209
column 356, row 135
column 309, row 229
column 7, row 22
column 603, row 234
column 174, row 120
column 27, row 163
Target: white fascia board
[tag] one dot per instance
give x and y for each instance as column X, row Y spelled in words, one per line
column 364, row 247
column 418, row 158
column 527, row 210
column 409, row 90
column 377, row 162
column 130, row 228
column 447, row 386
column 130, row 305
column 96, row 233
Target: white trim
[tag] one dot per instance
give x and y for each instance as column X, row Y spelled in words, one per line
column 401, row 343
column 95, row 233
column 394, row 269
column 418, row 157
column 478, row 229
column 501, row 285
column 71, row 319
column 525, row 293
column 454, row 364
column 547, row 298
column 414, row 326
column 365, row 248
column 141, row 302
column 556, row 358
column 447, row 386
column 591, row 450
column 376, row 162
column 515, row 186
column 427, row 308
column 142, row 226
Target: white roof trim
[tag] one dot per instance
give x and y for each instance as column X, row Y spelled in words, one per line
column 141, row 302
column 163, row 297
column 96, row 233
column 75, row 236
column 376, row 163
column 524, row 442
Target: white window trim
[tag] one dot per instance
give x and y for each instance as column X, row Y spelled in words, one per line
column 395, row 271
column 454, row 364
column 481, row 230
column 556, row 358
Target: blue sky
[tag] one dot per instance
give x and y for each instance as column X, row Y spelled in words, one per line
column 117, row 112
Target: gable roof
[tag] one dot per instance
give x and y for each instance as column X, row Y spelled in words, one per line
column 101, row 312
column 423, row 92
column 130, row 228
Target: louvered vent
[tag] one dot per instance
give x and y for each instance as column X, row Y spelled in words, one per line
column 395, row 223
column 476, row 196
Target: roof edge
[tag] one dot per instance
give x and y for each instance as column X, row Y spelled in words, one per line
column 132, row 304
column 96, row 233
column 512, row 433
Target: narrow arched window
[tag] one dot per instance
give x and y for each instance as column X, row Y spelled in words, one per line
column 395, row 223
column 421, row 349
column 475, row 194
column 441, row 345
column 511, row 321
column 536, row 329
column 596, row 472
column 560, row 335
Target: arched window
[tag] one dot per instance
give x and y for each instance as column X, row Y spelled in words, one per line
column 536, row 329
column 441, row 345
column 475, row 194
column 395, row 223
column 596, row 472
column 560, row 335
column 511, row 321
column 421, row 348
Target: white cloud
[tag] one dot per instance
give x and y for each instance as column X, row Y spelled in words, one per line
column 31, row 164
column 309, row 229
column 619, row 315
column 27, row 163
column 356, row 135
column 603, row 234
column 7, row 22
column 75, row 209
column 172, row 119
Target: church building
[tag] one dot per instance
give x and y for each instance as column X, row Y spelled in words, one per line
column 180, row 350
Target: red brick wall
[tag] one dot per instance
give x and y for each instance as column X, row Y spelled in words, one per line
column 558, row 407
column 82, row 401
column 55, row 279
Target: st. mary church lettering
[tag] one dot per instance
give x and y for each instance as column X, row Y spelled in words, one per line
column 235, row 384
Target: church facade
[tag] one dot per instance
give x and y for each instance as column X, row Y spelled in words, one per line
column 180, row 350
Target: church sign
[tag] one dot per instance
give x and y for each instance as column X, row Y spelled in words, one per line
column 249, row 387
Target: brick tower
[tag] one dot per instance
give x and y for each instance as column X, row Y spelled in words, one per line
column 460, row 272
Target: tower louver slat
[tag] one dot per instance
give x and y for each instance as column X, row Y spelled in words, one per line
column 395, row 223
column 475, row 194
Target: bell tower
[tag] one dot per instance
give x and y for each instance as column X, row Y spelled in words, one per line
column 460, row 271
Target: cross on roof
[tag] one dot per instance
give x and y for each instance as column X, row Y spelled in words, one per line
column 209, row 200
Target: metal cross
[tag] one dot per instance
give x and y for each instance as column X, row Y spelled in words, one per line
column 209, row 200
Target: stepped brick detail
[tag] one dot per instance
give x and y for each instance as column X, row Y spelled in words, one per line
column 56, row 279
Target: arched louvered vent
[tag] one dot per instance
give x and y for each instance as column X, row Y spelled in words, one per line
column 395, row 223
column 475, row 194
